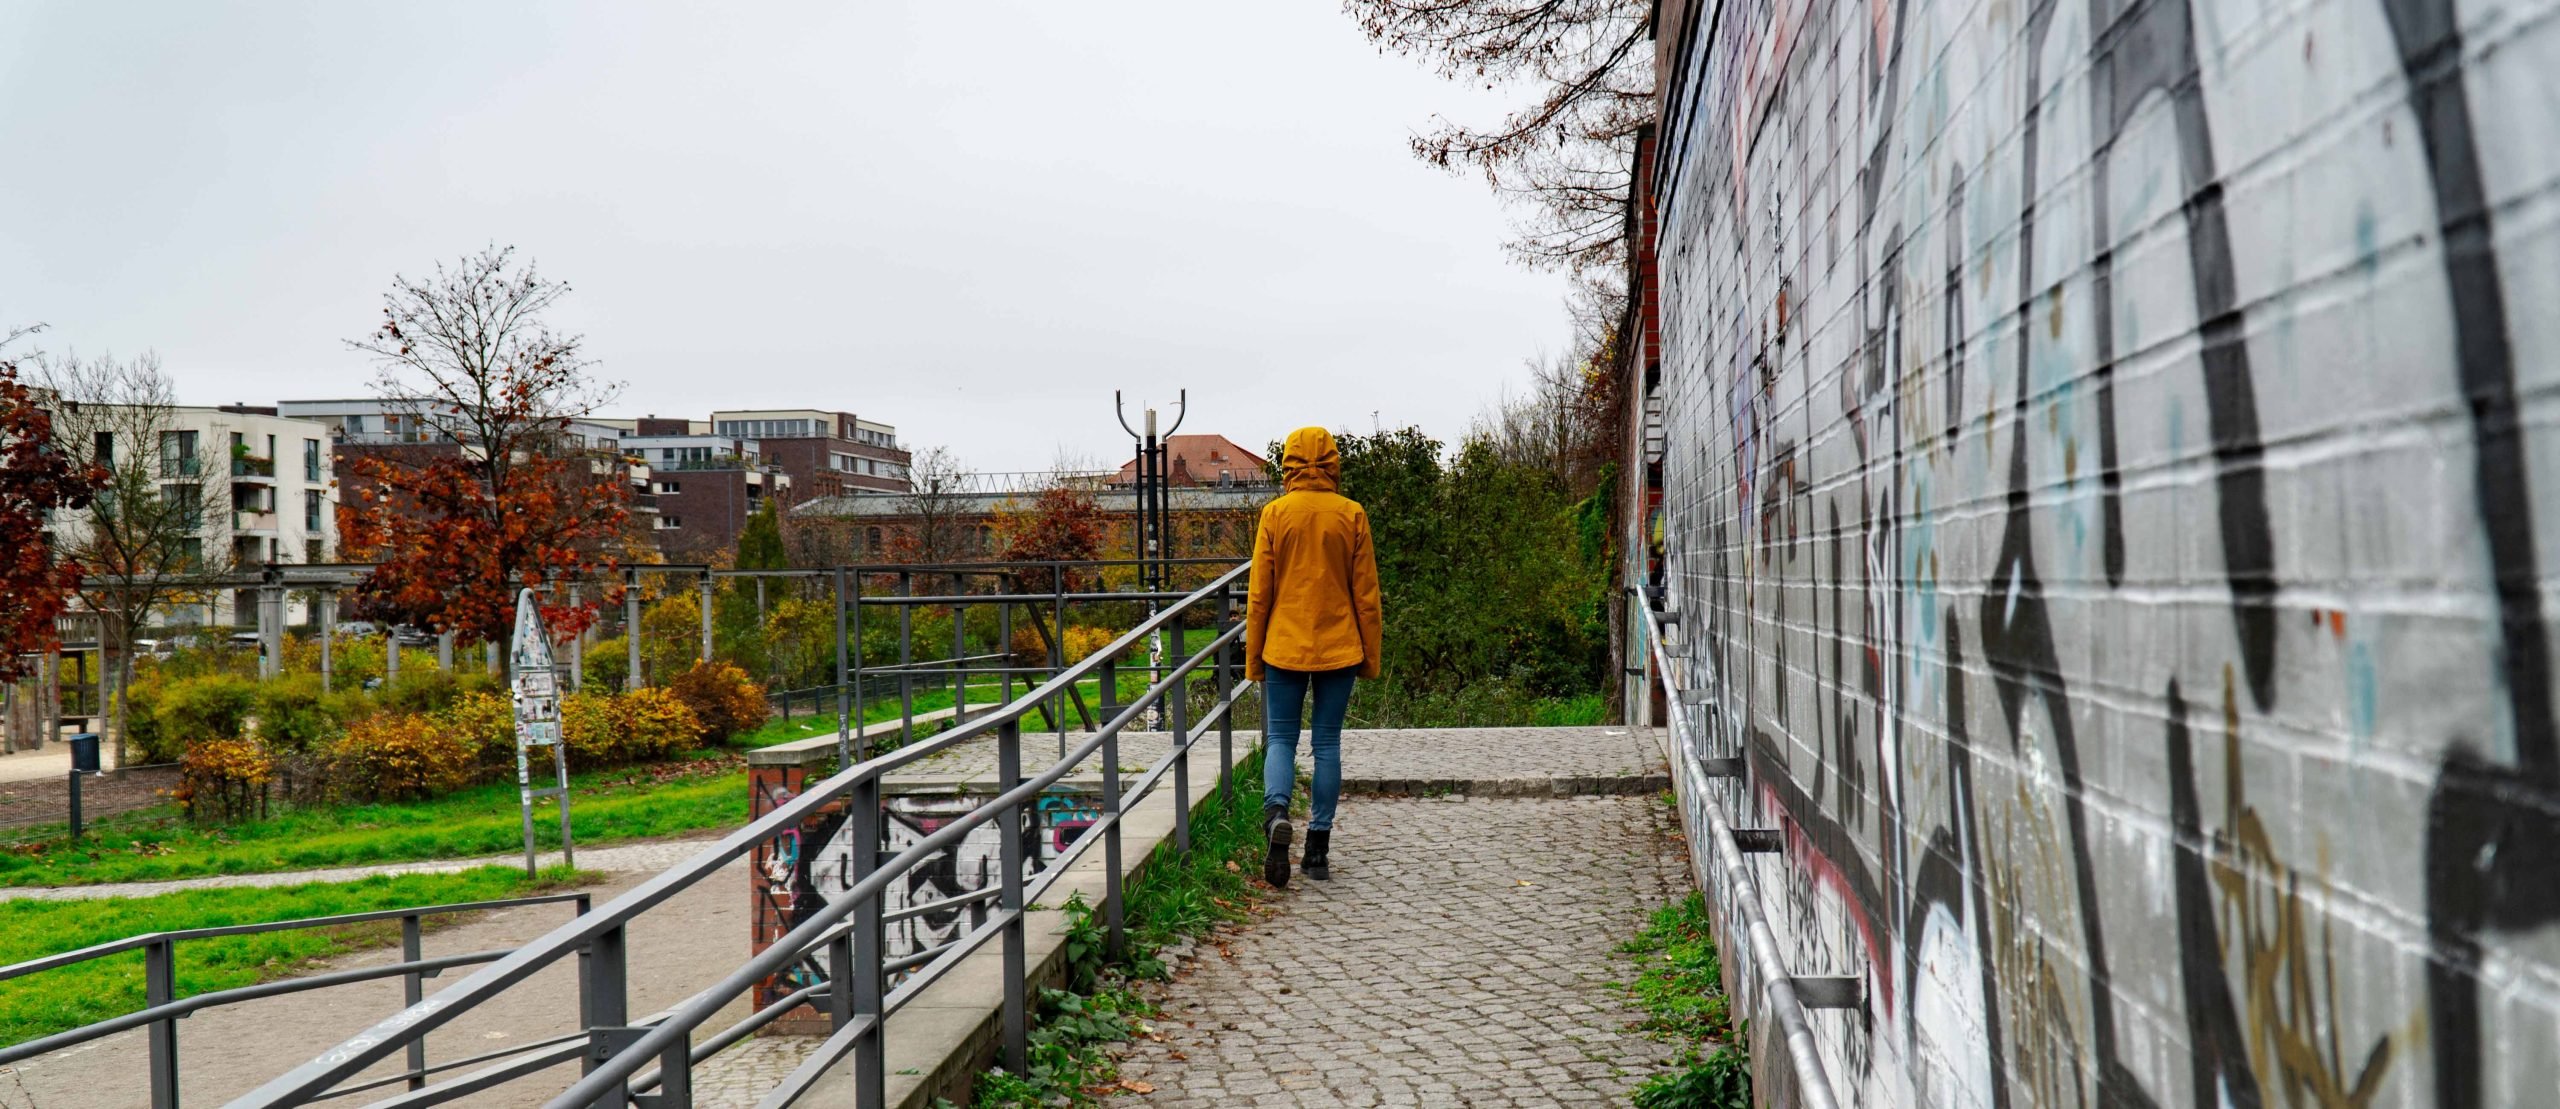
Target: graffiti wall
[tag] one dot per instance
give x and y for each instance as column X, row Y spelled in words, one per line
column 2107, row 495
column 802, row 871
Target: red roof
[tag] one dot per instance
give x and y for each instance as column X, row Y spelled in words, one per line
column 1200, row 460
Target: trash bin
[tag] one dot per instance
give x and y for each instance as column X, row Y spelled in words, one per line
column 84, row 752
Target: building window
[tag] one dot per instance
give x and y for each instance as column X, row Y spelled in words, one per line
column 178, row 454
column 103, row 447
column 311, row 510
column 311, row 461
column 670, row 523
column 189, row 502
column 314, row 552
column 871, row 540
column 191, row 550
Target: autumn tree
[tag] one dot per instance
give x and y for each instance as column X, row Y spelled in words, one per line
column 510, row 500
column 933, row 520
column 1062, row 524
column 141, row 543
column 36, row 481
column 1566, row 157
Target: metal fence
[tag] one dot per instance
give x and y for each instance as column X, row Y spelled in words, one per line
column 1784, row 997
column 163, row 1008
column 649, row 1061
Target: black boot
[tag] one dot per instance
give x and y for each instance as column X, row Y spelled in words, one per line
column 1313, row 862
column 1275, row 838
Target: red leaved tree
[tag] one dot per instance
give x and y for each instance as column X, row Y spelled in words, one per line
column 1062, row 524
column 505, row 496
column 34, row 479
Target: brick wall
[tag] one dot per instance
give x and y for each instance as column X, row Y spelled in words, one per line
column 2105, row 488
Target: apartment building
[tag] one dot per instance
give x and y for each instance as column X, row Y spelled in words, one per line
column 408, row 431
column 260, row 487
column 826, row 453
column 705, row 485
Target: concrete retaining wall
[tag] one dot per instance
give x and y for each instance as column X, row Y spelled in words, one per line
column 2105, row 479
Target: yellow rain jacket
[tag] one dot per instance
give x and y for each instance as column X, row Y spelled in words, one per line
column 1313, row 601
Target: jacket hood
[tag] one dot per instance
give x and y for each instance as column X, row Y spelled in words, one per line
column 1309, row 461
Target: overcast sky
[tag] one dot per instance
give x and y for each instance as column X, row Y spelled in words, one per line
column 970, row 220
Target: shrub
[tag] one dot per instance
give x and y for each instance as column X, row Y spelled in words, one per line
column 223, row 778
column 1029, row 649
column 603, row 730
column 399, row 758
column 722, row 698
column 215, row 706
column 1082, row 642
column 654, row 723
column 485, row 725
column 294, row 716
column 608, row 664
column 421, row 689
column 144, row 736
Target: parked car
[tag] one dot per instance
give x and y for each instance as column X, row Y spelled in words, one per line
column 154, row 648
column 248, row 640
column 410, row 635
column 359, row 629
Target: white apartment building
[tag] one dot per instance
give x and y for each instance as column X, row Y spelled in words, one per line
column 261, row 486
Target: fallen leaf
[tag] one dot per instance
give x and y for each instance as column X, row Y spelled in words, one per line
column 1523, row 882
column 1136, row 1087
column 1232, row 867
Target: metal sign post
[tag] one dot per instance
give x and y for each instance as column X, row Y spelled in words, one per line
column 537, row 697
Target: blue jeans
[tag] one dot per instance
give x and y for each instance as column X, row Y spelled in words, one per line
column 1284, row 693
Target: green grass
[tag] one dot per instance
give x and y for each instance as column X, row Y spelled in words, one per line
column 643, row 802
column 1680, row 988
column 51, row 1001
column 982, row 693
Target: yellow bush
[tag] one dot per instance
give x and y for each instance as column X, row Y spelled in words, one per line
column 485, row 724
column 656, row 722
column 399, row 758
column 722, row 698
column 624, row 727
column 223, row 778
column 1083, row 641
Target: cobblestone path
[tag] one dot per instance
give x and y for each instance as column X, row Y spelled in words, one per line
column 1459, row 957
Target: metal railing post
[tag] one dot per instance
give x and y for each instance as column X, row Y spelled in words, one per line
column 1114, row 928
column 706, row 616
column 413, row 989
column 906, row 657
column 675, row 1076
column 160, row 987
column 959, row 663
column 1226, row 700
column 1181, row 764
column 631, row 628
column 1017, row 1014
column 867, row 999
column 844, row 712
column 77, row 825
column 607, row 1001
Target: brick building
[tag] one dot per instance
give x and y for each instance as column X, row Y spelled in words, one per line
column 826, row 453
column 1205, row 459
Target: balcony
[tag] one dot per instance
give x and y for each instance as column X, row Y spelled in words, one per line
column 253, row 523
column 250, row 467
column 182, row 466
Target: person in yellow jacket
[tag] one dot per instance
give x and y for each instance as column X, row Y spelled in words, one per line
column 1311, row 624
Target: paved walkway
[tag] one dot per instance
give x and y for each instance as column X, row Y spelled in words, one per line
column 1459, row 957
column 1483, row 878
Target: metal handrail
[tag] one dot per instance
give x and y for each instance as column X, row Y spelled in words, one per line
column 163, row 1008
column 1778, row 987
column 621, row 1055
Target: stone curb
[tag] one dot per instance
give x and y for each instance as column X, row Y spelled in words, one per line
column 1605, row 785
